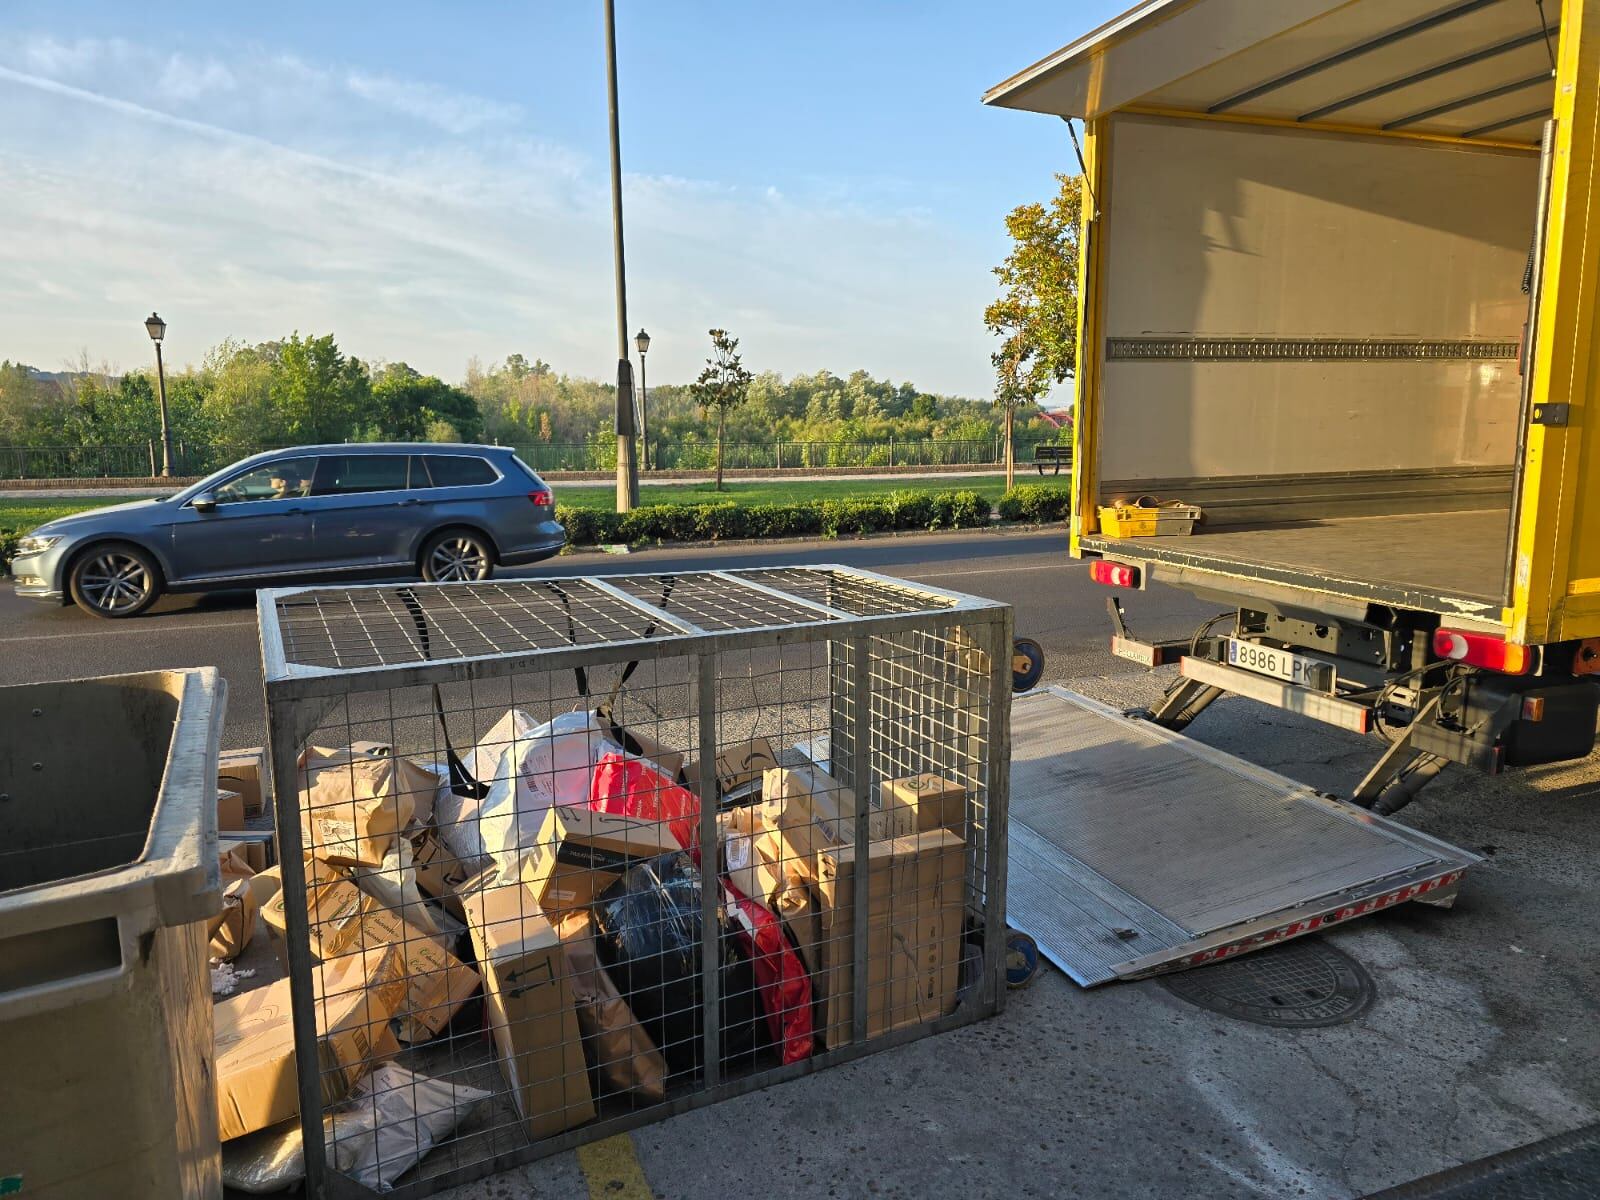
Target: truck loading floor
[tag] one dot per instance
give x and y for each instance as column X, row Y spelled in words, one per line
column 1444, row 562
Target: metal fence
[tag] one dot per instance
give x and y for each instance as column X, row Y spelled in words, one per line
column 131, row 461
column 190, row 458
column 642, row 849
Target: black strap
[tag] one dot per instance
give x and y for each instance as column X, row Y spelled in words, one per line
column 461, row 781
column 579, row 673
column 668, row 583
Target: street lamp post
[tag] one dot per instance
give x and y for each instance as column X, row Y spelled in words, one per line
column 627, row 461
column 157, row 329
column 642, row 341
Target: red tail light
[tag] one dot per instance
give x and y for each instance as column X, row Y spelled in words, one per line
column 1482, row 650
column 1117, row 575
column 542, row 497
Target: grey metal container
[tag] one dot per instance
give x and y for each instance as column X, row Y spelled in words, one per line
column 108, row 873
column 711, row 668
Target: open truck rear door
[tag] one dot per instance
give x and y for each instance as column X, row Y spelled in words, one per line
column 1555, row 578
column 1134, row 850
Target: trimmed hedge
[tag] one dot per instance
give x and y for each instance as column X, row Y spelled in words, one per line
column 1036, row 502
column 730, row 520
column 8, row 548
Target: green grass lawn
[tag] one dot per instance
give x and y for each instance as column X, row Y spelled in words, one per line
column 23, row 515
column 987, row 486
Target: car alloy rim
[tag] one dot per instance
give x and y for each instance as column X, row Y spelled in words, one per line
column 457, row 560
column 114, row 582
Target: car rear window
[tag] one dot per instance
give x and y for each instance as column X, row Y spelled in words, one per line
column 458, row 470
column 343, row 474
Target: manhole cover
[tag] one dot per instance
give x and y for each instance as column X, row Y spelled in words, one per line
column 1303, row 983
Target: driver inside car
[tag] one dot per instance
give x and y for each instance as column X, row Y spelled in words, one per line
column 288, row 484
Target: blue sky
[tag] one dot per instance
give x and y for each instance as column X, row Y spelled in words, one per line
column 429, row 181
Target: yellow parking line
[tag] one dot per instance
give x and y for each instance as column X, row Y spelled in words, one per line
column 612, row 1170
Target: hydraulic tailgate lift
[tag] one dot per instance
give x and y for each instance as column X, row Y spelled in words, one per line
column 1135, row 850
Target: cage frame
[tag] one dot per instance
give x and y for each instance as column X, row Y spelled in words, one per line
column 298, row 697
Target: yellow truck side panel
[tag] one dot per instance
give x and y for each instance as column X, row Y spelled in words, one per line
column 1091, row 303
column 1556, row 575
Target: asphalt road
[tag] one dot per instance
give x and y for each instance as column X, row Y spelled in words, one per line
column 1483, row 1035
column 1055, row 604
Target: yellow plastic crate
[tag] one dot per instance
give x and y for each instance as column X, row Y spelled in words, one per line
column 1165, row 520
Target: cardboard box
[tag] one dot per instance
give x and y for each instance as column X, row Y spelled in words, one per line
column 581, row 852
column 528, row 1002
column 737, row 765
column 347, row 922
column 934, row 802
column 335, row 908
column 255, row 1064
column 801, row 915
column 355, row 802
column 808, row 812
column 244, row 771
column 230, row 809
column 752, row 853
column 255, row 847
column 914, row 924
column 440, row 874
column 625, row 1058
column 230, row 931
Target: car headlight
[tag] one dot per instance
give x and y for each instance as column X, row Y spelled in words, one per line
column 35, row 545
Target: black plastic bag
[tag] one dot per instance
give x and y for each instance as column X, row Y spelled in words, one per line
column 648, row 934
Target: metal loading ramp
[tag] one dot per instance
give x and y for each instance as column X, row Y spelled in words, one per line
column 1135, row 850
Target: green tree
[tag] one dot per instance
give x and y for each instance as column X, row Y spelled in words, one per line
column 1036, row 314
column 724, row 384
column 319, row 393
column 31, row 408
column 407, row 404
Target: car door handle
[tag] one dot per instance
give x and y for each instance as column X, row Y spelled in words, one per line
column 410, row 502
column 294, row 512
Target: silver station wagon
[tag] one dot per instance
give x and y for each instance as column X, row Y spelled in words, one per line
column 449, row 513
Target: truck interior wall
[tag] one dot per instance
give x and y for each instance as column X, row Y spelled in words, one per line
column 1288, row 239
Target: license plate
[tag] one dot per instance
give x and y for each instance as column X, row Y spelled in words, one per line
column 1267, row 660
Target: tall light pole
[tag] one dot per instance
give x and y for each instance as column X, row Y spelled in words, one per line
column 157, row 329
column 627, row 463
column 642, row 340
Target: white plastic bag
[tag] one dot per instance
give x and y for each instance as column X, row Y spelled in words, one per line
column 391, row 1120
column 527, row 768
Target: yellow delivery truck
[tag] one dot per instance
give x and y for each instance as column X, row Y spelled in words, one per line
column 1340, row 270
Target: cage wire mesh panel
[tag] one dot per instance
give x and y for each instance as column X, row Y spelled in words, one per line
column 556, row 860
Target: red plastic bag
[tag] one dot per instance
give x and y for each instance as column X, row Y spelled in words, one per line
column 781, row 978
column 632, row 787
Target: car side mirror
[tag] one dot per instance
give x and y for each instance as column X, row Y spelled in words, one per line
column 205, row 502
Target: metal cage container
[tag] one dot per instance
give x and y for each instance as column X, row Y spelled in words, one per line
column 495, row 803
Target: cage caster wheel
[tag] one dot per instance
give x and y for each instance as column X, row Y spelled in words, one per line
column 1027, row 664
column 1022, row 959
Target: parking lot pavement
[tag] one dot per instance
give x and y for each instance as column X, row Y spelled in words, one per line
column 1483, row 1034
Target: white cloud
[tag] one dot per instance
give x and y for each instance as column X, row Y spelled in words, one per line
column 183, row 79
column 249, row 193
column 450, row 111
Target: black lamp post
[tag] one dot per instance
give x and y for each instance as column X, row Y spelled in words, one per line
column 642, row 341
column 157, row 328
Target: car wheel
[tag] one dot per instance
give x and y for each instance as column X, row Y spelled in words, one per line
column 115, row 581
column 457, row 556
